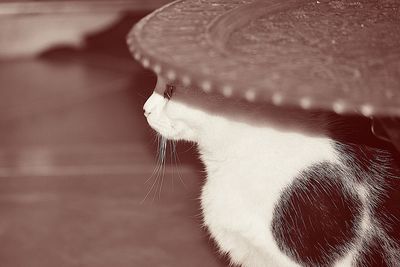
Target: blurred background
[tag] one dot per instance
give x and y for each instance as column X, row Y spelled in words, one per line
column 76, row 155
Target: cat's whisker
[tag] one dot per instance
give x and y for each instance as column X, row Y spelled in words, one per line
column 162, row 149
column 150, row 189
column 155, row 171
column 161, row 180
column 157, row 139
column 160, row 157
column 172, row 163
column 159, row 171
column 158, row 165
column 155, row 175
column 161, row 160
column 157, row 180
column 177, row 161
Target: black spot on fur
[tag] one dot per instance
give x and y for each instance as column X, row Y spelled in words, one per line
column 373, row 255
column 316, row 218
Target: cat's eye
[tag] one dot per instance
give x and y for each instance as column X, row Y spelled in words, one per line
column 169, row 90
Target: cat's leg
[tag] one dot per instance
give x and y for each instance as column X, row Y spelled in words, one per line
column 240, row 225
column 240, row 252
column 258, row 257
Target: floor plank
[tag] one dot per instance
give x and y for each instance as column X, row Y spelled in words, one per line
column 76, row 164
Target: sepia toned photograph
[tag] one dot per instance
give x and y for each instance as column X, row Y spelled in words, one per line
column 199, row 133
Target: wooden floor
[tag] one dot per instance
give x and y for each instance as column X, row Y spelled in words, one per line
column 76, row 163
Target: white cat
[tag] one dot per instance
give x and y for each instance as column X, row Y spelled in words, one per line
column 280, row 191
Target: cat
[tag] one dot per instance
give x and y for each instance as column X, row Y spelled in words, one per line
column 282, row 188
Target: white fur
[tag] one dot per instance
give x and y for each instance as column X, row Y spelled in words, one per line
column 240, row 193
column 243, row 205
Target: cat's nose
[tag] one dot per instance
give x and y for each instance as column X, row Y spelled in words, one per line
column 147, row 108
column 153, row 104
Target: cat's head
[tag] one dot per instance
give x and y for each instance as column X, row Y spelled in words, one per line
column 179, row 113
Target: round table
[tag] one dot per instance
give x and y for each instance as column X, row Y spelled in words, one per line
column 333, row 55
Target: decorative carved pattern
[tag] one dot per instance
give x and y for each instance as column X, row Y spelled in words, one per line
column 331, row 54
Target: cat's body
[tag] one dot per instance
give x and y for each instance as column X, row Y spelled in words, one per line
column 280, row 191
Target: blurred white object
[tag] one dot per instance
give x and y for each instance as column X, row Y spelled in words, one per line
column 29, row 27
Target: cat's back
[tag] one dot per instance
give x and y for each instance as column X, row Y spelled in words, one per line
column 308, row 200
